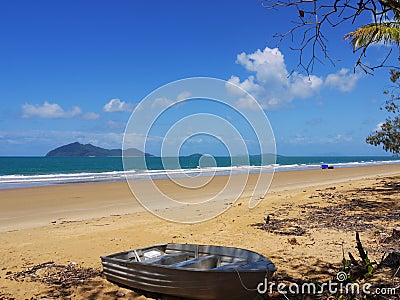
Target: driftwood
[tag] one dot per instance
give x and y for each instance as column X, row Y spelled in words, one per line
column 396, row 233
column 392, row 260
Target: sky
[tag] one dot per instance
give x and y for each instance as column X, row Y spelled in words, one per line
column 76, row 70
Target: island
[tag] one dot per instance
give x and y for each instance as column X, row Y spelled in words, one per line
column 78, row 149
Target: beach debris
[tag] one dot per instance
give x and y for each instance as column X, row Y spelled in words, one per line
column 267, row 220
column 119, row 294
column 392, row 260
column 281, row 227
column 59, row 276
column 354, row 210
column 7, row 296
column 355, row 270
column 373, row 209
column 382, row 237
column 396, row 233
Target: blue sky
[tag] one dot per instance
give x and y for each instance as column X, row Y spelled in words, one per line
column 75, row 70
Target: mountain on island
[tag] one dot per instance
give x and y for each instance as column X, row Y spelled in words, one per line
column 78, row 149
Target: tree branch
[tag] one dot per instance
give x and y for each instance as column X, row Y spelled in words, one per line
column 314, row 18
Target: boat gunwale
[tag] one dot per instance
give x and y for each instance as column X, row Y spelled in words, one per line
column 109, row 259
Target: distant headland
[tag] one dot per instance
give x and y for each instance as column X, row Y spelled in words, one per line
column 78, row 149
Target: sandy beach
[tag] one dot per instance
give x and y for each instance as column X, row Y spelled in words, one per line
column 80, row 222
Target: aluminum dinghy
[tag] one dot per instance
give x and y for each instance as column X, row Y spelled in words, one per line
column 190, row 271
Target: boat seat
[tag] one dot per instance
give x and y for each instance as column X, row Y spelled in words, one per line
column 203, row 262
column 231, row 266
column 167, row 259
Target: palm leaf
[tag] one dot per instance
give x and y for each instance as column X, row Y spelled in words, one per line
column 385, row 32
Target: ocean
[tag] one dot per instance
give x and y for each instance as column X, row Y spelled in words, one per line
column 18, row 172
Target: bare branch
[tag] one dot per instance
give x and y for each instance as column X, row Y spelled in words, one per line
column 307, row 34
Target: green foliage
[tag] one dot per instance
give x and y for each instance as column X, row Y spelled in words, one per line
column 385, row 32
column 388, row 135
column 382, row 30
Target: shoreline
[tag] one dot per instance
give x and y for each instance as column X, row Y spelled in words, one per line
column 13, row 181
column 39, row 206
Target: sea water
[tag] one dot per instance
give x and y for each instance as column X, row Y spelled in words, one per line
column 18, row 172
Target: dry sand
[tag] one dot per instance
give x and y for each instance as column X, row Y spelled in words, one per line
column 315, row 215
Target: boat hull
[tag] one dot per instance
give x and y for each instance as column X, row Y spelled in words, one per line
column 190, row 283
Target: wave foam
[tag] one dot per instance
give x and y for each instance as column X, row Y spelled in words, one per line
column 15, row 181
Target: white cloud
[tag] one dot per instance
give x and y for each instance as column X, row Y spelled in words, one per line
column 91, row 116
column 247, row 102
column 342, row 80
column 49, row 111
column 305, row 86
column 248, row 84
column 274, row 87
column 32, row 140
column 269, row 64
column 115, row 105
column 161, row 102
column 183, row 96
column 335, row 139
column 339, row 138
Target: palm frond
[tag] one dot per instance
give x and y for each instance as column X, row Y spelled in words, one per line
column 385, row 32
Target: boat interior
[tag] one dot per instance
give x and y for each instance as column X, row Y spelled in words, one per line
column 195, row 257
